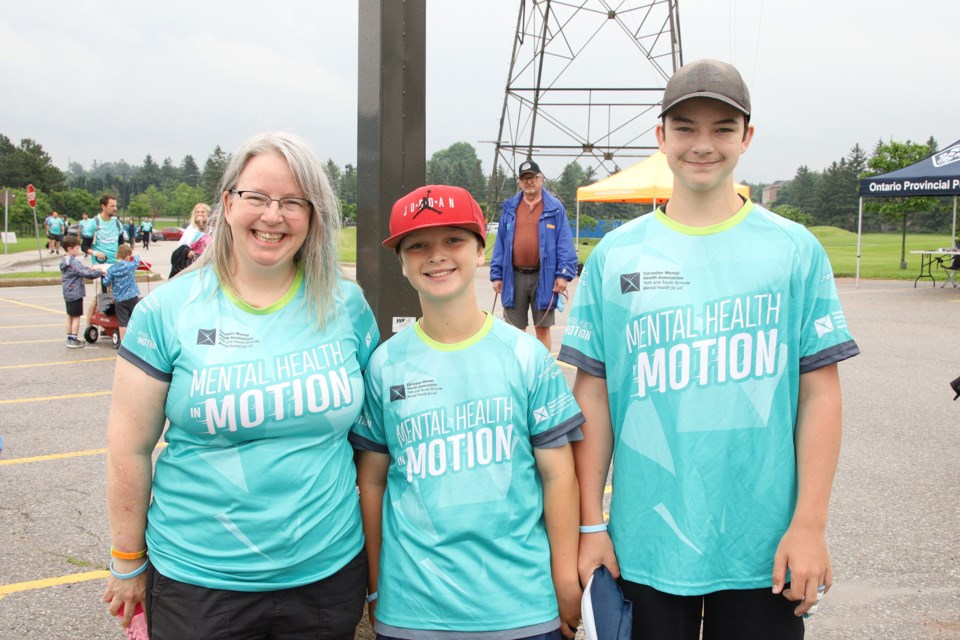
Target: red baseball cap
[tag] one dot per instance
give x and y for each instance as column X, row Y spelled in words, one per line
column 435, row 205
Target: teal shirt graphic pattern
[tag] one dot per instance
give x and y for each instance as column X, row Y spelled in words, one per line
column 106, row 238
column 56, row 226
column 88, row 227
column 702, row 335
column 256, row 489
column 464, row 542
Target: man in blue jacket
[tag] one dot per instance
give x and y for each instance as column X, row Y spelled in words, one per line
column 534, row 257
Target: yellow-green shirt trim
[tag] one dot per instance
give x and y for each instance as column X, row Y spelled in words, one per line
column 456, row 346
column 729, row 223
column 276, row 306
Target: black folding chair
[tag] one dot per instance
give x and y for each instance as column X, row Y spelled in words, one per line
column 950, row 270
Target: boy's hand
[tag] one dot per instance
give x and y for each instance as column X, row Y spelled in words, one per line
column 568, row 600
column 803, row 552
column 596, row 549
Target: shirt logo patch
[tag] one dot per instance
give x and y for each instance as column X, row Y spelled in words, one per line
column 541, row 414
column 207, row 336
column 629, row 282
column 823, row 326
column 398, row 392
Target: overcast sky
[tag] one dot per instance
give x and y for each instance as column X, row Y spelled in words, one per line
column 107, row 80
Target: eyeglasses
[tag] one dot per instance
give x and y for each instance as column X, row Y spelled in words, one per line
column 530, row 178
column 258, row 202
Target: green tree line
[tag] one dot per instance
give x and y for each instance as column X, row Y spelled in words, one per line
column 831, row 197
column 170, row 189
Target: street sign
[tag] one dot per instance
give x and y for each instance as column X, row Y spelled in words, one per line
column 31, row 196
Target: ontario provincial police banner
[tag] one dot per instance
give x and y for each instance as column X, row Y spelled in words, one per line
column 938, row 175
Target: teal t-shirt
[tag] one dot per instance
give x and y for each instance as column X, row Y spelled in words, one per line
column 107, row 237
column 88, row 227
column 464, row 542
column 702, row 335
column 146, row 226
column 56, row 226
column 256, row 489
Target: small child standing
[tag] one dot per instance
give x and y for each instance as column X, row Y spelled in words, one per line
column 74, row 272
column 126, row 293
column 465, row 468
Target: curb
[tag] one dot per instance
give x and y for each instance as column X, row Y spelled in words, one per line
column 57, row 280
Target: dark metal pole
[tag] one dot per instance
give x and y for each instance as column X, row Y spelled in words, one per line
column 391, row 146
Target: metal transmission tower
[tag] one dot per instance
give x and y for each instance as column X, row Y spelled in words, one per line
column 586, row 79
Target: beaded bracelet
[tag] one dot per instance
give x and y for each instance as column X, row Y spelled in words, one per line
column 132, row 574
column 126, row 555
column 373, row 596
column 593, row 528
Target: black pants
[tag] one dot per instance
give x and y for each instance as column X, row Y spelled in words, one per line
column 749, row 614
column 329, row 609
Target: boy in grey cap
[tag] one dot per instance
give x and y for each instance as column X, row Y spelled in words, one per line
column 706, row 337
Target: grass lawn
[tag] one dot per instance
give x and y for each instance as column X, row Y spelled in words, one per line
column 880, row 252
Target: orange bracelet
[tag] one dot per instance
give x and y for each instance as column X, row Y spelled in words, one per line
column 123, row 555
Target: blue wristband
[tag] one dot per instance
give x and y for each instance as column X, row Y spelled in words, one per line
column 373, row 596
column 593, row 528
column 132, row 574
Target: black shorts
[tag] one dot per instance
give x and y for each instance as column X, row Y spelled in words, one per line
column 330, row 608
column 75, row 308
column 749, row 614
column 85, row 244
column 57, row 237
column 124, row 309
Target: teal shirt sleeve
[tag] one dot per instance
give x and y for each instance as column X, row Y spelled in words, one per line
column 151, row 343
column 364, row 324
column 367, row 433
column 824, row 336
column 553, row 411
column 583, row 339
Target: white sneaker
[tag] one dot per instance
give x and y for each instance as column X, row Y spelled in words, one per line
column 73, row 343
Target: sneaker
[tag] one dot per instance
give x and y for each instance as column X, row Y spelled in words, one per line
column 74, row 343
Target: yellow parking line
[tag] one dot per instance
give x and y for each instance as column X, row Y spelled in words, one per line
column 32, row 306
column 73, row 578
column 92, row 394
column 31, row 326
column 62, row 456
column 53, row 456
column 31, row 341
column 55, row 364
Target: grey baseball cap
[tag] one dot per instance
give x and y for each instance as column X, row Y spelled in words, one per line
column 707, row 79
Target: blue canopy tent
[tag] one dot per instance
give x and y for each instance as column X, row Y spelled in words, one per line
column 938, row 175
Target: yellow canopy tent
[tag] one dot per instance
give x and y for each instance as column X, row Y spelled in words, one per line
column 650, row 181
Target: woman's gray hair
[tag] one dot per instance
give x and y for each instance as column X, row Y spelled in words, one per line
column 318, row 255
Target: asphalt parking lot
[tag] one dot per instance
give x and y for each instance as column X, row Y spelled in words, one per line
column 895, row 516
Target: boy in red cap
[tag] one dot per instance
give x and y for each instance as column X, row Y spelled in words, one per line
column 466, row 475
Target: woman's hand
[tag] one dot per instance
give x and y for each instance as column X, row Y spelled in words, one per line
column 126, row 594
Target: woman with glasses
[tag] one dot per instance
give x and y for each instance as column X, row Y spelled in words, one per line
column 254, row 355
